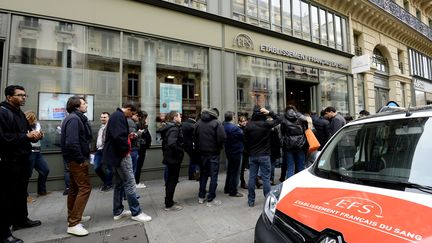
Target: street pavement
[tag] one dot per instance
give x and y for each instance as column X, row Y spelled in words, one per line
column 232, row 221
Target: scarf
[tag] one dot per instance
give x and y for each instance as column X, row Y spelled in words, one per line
column 87, row 128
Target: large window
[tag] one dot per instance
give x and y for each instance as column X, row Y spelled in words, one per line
column 163, row 76
column 380, row 61
column 297, row 18
column 64, row 58
column 51, row 57
column 420, row 64
column 196, row 4
column 334, row 90
column 259, row 82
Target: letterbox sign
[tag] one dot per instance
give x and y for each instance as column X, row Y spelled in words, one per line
column 245, row 41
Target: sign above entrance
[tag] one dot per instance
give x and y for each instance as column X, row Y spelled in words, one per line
column 301, row 56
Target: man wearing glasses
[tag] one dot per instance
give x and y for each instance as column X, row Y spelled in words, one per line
column 16, row 136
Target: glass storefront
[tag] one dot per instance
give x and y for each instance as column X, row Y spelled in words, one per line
column 54, row 60
column 259, row 82
column 334, row 91
column 180, row 72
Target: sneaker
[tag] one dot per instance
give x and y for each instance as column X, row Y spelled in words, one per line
column 85, row 219
column 106, row 188
column 142, row 217
column 141, row 186
column 201, row 200
column 77, row 230
column 175, row 207
column 123, row 214
column 66, row 191
column 213, row 203
column 251, row 204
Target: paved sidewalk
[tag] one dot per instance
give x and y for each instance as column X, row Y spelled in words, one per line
column 232, row 221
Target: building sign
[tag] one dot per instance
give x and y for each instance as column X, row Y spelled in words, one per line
column 422, row 85
column 301, row 56
column 360, row 64
column 243, row 41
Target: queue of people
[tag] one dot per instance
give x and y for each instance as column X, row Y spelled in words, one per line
column 121, row 144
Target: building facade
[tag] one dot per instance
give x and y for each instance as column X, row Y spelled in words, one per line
column 192, row 54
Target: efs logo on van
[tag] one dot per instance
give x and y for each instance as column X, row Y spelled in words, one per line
column 356, row 205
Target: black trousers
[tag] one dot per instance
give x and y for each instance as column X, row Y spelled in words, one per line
column 171, row 183
column 244, row 165
column 232, row 175
column 140, row 163
column 13, row 185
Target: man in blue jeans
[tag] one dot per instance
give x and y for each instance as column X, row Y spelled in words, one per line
column 258, row 144
column 209, row 136
column 116, row 152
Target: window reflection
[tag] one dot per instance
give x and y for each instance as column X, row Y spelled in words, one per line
column 334, row 90
column 259, row 82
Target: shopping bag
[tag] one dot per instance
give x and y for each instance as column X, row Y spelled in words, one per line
column 312, row 140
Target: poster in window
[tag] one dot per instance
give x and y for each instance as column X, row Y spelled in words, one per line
column 52, row 106
column 170, row 98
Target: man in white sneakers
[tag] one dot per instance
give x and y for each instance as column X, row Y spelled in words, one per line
column 116, row 152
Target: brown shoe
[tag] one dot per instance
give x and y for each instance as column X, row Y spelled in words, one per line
column 43, row 194
column 30, row 199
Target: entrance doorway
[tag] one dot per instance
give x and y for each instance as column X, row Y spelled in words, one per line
column 299, row 95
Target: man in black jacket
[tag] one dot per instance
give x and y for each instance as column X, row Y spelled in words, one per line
column 75, row 140
column 187, row 127
column 116, row 152
column 258, row 143
column 209, row 136
column 172, row 149
column 15, row 138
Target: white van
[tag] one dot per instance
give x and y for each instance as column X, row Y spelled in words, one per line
column 372, row 182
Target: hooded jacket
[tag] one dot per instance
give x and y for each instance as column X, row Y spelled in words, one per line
column 258, row 133
column 172, row 143
column 209, row 134
column 117, row 145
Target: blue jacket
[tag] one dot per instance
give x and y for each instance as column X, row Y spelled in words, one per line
column 234, row 140
column 74, row 143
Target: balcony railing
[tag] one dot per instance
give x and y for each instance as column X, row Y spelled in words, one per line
column 358, row 50
column 34, row 25
column 404, row 16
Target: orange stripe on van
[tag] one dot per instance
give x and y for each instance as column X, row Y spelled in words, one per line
column 359, row 216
